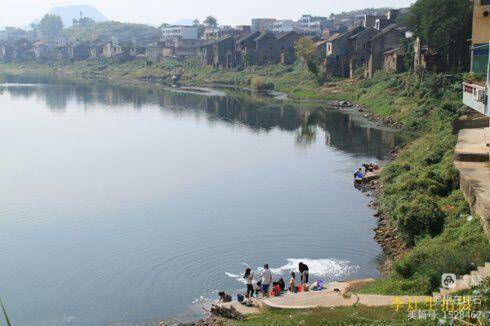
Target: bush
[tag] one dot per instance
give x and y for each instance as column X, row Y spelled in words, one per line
column 261, row 84
column 419, row 217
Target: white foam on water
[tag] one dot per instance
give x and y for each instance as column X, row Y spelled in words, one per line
column 237, row 277
column 330, row 268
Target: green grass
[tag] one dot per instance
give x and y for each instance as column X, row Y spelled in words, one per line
column 293, row 80
column 355, row 315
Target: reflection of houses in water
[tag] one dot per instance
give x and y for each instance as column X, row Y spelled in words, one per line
column 342, row 131
column 347, row 133
column 328, row 138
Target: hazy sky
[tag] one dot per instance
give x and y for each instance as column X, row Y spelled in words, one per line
column 22, row 12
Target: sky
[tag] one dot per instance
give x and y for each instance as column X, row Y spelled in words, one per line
column 155, row 12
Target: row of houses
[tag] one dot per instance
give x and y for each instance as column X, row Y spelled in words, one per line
column 24, row 49
column 374, row 43
column 254, row 49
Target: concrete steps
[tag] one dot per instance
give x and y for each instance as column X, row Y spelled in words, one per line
column 472, row 145
column 467, row 282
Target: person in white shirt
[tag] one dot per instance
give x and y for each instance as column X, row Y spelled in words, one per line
column 266, row 276
column 249, row 279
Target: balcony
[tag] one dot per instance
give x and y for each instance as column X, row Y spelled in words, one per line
column 475, row 96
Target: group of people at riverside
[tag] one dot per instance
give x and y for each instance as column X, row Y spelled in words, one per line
column 265, row 286
column 366, row 168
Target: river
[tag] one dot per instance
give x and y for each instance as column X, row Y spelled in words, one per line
column 120, row 204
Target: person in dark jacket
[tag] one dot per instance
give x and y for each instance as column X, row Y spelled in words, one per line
column 224, row 297
column 304, row 272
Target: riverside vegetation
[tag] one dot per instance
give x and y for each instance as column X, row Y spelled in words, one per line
column 420, row 192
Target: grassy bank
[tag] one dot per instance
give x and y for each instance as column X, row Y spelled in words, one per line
column 294, row 80
column 362, row 315
column 421, row 188
column 355, row 315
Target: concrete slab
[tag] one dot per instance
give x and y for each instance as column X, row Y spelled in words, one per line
column 309, row 300
column 472, row 145
column 326, row 299
column 475, row 184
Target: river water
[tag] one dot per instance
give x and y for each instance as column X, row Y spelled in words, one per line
column 120, row 204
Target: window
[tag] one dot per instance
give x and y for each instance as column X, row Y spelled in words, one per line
column 485, row 2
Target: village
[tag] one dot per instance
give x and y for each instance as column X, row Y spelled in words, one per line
column 347, row 47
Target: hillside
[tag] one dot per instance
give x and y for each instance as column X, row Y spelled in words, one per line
column 108, row 30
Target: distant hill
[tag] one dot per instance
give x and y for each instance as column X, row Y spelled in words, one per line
column 68, row 13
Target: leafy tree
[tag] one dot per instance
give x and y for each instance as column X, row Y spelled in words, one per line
column 211, row 21
column 200, row 27
column 445, row 25
column 307, row 52
column 50, row 26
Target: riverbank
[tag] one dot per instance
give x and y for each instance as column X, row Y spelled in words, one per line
column 296, row 82
column 419, row 200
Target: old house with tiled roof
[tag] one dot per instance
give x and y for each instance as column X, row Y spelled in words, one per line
column 266, row 47
column 224, row 53
column 246, row 46
column 337, row 53
column 286, row 43
column 359, row 52
column 389, row 39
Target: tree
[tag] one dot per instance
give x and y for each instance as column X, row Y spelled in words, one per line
column 307, row 52
column 211, row 21
column 445, row 25
column 50, row 26
column 200, row 28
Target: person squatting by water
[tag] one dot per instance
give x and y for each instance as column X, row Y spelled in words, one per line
column 358, row 175
column 224, row 297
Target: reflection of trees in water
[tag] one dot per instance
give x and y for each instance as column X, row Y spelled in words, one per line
column 341, row 130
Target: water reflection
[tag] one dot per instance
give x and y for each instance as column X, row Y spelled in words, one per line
column 345, row 131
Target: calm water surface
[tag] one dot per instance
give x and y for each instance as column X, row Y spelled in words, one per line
column 124, row 204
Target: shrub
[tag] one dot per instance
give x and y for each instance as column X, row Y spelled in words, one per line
column 261, row 84
column 418, row 217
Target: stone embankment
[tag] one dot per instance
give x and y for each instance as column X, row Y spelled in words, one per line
column 472, row 159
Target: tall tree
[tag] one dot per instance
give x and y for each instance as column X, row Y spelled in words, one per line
column 307, row 52
column 445, row 25
column 200, row 28
column 211, row 21
column 50, row 26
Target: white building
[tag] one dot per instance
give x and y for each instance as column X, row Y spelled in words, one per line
column 178, row 31
column 281, row 26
